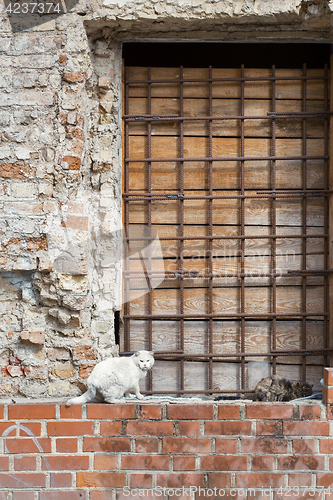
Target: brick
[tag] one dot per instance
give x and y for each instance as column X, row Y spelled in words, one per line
column 99, row 495
column 328, row 376
column 227, row 428
column 1, row 411
column 85, row 370
column 141, row 481
column 325, row 479
column 75, row 133
column 189, row 428
column 34, row 427
column 146, row 445
column 6, row 425
column 327, row 395
column 301, row 462
column 66, row 445
column 218, row 480
column 27, row 98
column 145, row 462
column 177, row 480
column 17, row 171
column 23, row 463
column 151, row 494
column 63, row 371
column 329, row 410
column 273, row 428
column 70, row 162
column 300, row 480
column 100, row 479
column 63, row 495
column 269, row 410
column 110, row 412
column 28, row 445
column 326, row 446
column 74, row 76
column 262, row 445
column 70, row 428
column 81, row 223
column 34, row 338
column 60, row 463
column 186, row 445
column 225, row 445
column 74, row 411
column 150, row 428
column 34, row 411
column 61, row 480
column 58, row 354
column 36, row 372
column 105, row 462
column 184, row 463
column 262, row 463
column 29, row 480
column 150, row 412
column 190, row 412
column 224, row 462
column 111, row 428
column 113, row 445
column 228, row 412
column 309, row 412
column 22, row 495
column 304, row 446
column 306, row 428
column 259, row 480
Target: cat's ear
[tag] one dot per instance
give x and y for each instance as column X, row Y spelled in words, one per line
column 151, row 352
column 137, row 353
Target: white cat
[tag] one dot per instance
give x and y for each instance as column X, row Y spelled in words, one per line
column 115, row 377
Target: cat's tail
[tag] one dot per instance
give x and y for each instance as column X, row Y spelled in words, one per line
column 84, row 398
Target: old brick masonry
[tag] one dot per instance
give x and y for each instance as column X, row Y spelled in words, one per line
column 93, row 452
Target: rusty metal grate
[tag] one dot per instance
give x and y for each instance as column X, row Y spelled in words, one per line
column 150, row 198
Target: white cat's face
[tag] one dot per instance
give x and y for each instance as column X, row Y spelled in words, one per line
column 144, row 359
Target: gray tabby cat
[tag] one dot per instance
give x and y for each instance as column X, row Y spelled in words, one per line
column 115, row 377
column 276, row 388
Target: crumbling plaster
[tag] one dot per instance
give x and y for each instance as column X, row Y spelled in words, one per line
column 61, row 169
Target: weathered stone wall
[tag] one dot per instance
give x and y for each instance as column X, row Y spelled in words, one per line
column 61, row 163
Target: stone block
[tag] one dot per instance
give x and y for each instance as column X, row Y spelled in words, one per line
column 63, row 371
column 74, row 283
column 23, row 189
column 35, row 338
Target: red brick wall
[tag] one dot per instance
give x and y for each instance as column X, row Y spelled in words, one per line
column 220, row 450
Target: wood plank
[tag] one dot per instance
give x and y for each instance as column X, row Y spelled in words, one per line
column 227, row 300
column 227, row 211
column 226, row 175
column 226, row 337
column 197, row 147
column 200, row 107
column 254, row 90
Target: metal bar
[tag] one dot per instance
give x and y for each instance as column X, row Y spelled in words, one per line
column 235, row 79
column 177, row 118
column 229, row 158
column 162, row 317
column 192, row 275
column 304, row 241
column 242, row 229
column 273, row 240
column 326, row 217
column 238, row 237
column 300, row 352
column 181, row 228
column 127, row 305
column 210, row 230
column 160, row 197
column 150, row 291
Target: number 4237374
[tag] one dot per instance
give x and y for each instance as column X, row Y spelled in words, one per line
column 33, row 8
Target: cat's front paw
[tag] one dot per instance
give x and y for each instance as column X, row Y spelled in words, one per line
column 140, row 396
